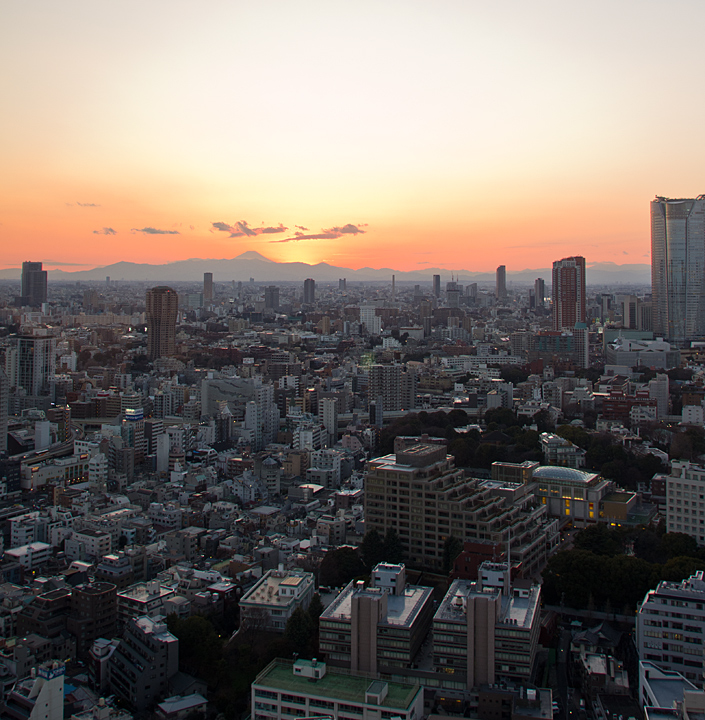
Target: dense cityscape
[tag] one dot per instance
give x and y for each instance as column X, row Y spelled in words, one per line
column 376, row 500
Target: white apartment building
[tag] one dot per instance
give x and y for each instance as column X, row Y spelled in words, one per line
column 685, row 500
column 88, row 544
column 670, row 626
column 30, row 556
column 40, row 526
column 331, row 460
column 142, row 599
column 308, row 436
column 165, row 515
column 273, row 599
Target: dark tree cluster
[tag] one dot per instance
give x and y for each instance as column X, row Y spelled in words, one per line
column 597, row 573
column 346, row 563
column 230, row 666
column 612, row 460
column 511, row 440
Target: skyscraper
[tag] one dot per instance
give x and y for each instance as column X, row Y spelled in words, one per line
column 34, row 284
column 309, row 291
column 501, row 282
column 4, row 410
column 437, row 285
column 539, row 291
column 271, row 297
column 207, row 288
column 162, row 309
column 30, row 365
column 678, row 268
column 568, row 293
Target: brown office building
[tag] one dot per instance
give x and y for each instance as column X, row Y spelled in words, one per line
column 379, row 627
column 420, row 494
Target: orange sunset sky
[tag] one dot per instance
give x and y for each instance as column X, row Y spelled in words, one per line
column 402, row 134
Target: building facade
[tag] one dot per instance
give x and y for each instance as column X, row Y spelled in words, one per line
column 685, row 500
column 396, row 386
column 670, row 624
column 147, row 656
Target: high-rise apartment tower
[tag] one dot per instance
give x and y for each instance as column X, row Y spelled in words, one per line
column 309, row 291
column 34, row 284
column 568, row 293
column 539, row 291
column 162, row 309
column 207, row 288
column 501, row 282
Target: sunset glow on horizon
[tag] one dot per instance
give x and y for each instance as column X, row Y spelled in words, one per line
column 405, row 135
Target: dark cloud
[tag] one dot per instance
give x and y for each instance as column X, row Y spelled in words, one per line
column 301, row 227
column 271, row 230
column 155, row 231
column 348, row 229
column 105, row 231
column 325, row 234
column 87, row 204
column 301, row 236
column 242, row 229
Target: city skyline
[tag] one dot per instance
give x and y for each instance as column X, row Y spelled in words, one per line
column 459, row 136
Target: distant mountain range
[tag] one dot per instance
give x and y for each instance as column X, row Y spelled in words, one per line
column 253, row 265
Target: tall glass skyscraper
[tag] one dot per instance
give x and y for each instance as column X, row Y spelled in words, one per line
column 678, row 268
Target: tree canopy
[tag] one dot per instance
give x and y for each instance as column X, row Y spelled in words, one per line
column 340, row 566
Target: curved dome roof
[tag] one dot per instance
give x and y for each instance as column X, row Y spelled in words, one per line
column 553, row 472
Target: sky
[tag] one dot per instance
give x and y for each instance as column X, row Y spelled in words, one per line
column 456, row 134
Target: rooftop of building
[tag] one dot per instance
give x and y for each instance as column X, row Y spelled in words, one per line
column 516, row 609
column 144, row 591
column 619, row 497
column 693, row 587
column 155, row 626
column 565, row 475
column 412, row 458
column 29, row 548
column 89, row 532
column 95, row 588
column 336, row 685
column 521, row 610
column 266, row 591
column 667, row 686
column 402, row 610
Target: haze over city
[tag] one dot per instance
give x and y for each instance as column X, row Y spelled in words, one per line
column 402, row 135
column 352, row 360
